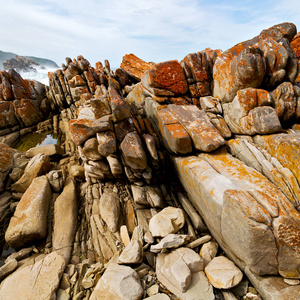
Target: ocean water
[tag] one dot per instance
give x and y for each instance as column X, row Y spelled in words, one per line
column 40, row 75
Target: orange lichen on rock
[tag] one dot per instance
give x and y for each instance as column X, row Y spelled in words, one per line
column 165, row 79
column 134, row 66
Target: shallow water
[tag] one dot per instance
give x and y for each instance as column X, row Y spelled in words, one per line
column 36, row 139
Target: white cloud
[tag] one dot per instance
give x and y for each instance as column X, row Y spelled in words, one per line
column 153, row 30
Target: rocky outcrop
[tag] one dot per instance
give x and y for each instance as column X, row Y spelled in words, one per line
column 252, row 63
column 23, row 104
column 20, row 63
column 174, row 180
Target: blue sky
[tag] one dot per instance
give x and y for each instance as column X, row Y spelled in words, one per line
column 154, row 30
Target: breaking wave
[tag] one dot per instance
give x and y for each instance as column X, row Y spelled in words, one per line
column 41, row 74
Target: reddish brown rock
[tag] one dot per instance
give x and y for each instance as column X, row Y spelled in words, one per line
column 83, row 129
column 133, row 152
column 175, row 137
column 7, row 115
column 72, row 68
column 91, row 79
column 134, row 66
column 5, row 86
column 27, row 111
column 120, row 109
column 295, row 43
column 165, row 79
column 21, row 88
column 122, row 77
column 124, row 127
column 198, row 68
column 77, row 80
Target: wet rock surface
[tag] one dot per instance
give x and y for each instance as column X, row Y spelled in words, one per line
column 172, row 180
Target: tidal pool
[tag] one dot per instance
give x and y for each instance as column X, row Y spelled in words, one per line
column 36, row 139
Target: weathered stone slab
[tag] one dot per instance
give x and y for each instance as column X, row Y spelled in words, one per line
column 110, row 210
column 204, row 135
column 285, row 147
column 35, row 282
column 95, row 109
column 120, row 109
column 7, row 116
column 27, row 112
column 133, row 151
column 37, row 166
column 65, row 220
column 175, row 137
column 222, row 187
column 29, row 222
column 134, row 66
column 45, row 149
column 6, row 163
column 273, row 287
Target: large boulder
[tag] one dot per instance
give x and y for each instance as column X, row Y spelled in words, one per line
column 230, row 195
column 29, row 222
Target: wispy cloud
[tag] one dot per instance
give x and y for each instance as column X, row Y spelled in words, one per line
column 154, row 30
